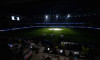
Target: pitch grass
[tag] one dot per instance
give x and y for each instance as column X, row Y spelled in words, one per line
column 75, row 35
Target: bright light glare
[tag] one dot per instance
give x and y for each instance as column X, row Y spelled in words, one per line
column 46, row 17
column 13, row 17
column 18, row 18
column 55, row 29
column 68, row 15
column 48, row 48
column 61, row 51
column 57, row 16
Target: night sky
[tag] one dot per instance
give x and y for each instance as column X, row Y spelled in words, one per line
column 35, row 7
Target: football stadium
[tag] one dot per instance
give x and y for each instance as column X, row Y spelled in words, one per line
column 49, row 30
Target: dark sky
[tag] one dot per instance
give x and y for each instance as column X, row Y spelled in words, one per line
column 30, row 7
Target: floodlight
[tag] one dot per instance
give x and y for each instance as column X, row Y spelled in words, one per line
column 13, row 17
column 46, row 16
column 18, row 18
column 68, row 15
column 57, row 16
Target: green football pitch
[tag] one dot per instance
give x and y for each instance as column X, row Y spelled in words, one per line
column 75, row 35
